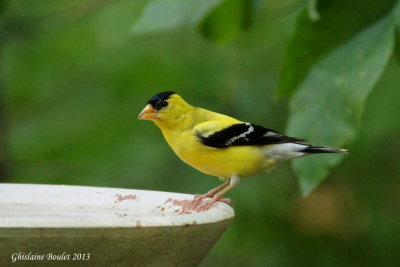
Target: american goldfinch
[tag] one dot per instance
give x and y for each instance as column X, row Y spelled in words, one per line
column 220, row 145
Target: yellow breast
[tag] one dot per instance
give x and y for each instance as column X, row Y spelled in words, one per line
column 241, row 160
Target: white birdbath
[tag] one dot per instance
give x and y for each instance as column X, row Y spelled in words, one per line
column 47, row 224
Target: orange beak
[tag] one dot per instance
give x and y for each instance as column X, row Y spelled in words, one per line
column 148, row 113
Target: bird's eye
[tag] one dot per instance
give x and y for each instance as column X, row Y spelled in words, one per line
column 160, row 104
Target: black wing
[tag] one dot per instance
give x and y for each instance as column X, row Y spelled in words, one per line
column 245, row 134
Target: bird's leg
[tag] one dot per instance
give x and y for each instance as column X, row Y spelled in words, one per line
column 234, row 181
column 212, row 192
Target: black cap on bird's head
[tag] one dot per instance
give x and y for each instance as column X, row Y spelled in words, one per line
column 155, row 104
column 159, row 100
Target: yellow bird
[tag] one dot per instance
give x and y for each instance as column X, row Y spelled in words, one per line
column 220, row 145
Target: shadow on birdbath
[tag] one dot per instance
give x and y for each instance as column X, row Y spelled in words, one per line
column 105, row 226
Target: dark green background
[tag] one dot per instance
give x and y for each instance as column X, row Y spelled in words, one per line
column 74, row 78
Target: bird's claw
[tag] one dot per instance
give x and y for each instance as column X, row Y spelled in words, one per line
column 225, row 200
column 200, row 197
column 202, row 206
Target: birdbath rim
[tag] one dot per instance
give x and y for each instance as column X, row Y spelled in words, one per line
column 71, row 206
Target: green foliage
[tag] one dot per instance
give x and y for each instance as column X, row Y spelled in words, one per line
column 161, row 15
column 397, row 46
column 397, row 18
column 312, row 40
column 228, row 20
column 3, row 7
column 397, row 15
column 3, row 4
column 328, row 105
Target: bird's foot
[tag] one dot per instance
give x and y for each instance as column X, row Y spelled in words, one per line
column 209, row 203
column 217, row 198
column 199, row 201
column 225, row 200
column 200, row 197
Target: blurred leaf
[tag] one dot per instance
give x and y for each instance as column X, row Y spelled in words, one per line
column 396, row 51
column 228, row 20
column 397, row 15
column 313, row 13
column 3, row 8
column 161, row 15
column 312, row 40
column 328, row 105
column 397, row 18
column 285, row 8
column 3, row 4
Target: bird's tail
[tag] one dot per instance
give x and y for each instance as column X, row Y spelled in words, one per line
column 294, row 150
column 323, row 149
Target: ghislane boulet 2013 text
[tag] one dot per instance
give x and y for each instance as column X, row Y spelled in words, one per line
column 64, row 256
